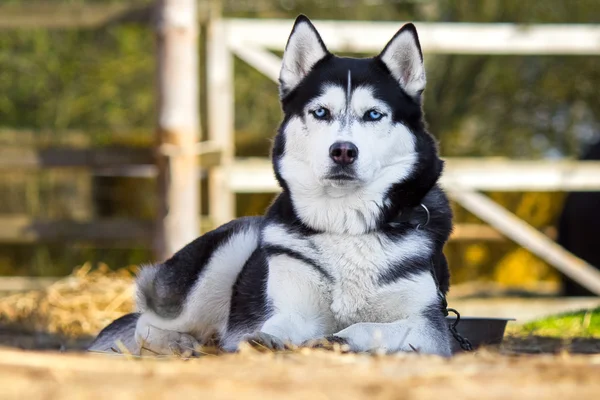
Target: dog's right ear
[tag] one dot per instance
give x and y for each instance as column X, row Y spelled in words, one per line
column 303, row 50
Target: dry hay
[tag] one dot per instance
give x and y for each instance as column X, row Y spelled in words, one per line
column 78, row 305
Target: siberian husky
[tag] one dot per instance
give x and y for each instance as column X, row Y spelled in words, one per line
column 351, row 249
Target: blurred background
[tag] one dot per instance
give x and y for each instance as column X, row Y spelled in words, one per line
column 78, row 120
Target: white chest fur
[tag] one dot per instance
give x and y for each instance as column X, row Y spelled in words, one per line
column 356, row 262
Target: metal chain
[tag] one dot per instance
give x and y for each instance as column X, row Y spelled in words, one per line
column 462, row 341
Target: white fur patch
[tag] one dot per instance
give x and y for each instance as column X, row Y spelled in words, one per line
column 386, row 155
column 357, row 262
column 406, row 297
column 408, row 335
column 301, row 301
column 400, row 325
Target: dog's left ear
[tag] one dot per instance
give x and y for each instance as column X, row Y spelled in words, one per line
column 403, row 57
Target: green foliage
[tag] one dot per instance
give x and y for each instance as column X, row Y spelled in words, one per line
column 97, row 81
column 584, row 323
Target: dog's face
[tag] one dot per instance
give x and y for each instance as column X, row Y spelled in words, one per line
column 352, row 127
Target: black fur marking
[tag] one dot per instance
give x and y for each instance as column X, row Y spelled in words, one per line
column 404, row 270
column 336, row 339
column 122, row 329
column 441, row 272
column 249, row 303
column 438, row 229
column 166, row 294
column 434, row 314
column 276, row 250
column 282, row 210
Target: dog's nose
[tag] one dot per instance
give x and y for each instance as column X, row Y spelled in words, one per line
column 343, row 153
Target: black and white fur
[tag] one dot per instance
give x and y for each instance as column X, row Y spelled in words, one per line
column 350, row 251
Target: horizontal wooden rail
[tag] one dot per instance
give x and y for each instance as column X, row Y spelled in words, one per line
column 435, row 37
column 110, row 232
column 25, row 158
column 21, row 229
column 482, row 232
column 255, row 175
column 356, row 36
column 107, row 157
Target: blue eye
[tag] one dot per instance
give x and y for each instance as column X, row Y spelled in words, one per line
column 321, row 113
column 372, row 115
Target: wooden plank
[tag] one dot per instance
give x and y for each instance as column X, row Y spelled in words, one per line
column 112, row 232
column 121, row 160
column 52, row 15
column 512, row 175
column 262, row 60
column 30, row 158
column 255, row 175
column 482, row 232
column 435, row 37
column 252, row 175
column 178, row 125
column 476, row 232
column 23, row 229
column 220, row 104
column 528, row 237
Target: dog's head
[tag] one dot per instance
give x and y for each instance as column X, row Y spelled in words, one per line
column 353, row 135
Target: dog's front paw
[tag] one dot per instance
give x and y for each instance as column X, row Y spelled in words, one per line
column 264, row 341
column 331, row 342
column 157, row 341
column 358, row 338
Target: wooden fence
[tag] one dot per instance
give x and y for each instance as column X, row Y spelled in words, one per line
column 179, row 152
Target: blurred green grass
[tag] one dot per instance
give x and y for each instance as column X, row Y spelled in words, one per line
column 582, row 323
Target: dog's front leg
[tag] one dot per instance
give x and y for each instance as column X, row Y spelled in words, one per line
column 420, row 334
column 299, row 297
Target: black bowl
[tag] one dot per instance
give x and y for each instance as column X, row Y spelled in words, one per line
column 479, row 331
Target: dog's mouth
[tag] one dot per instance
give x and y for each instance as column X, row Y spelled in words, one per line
column 341, row 174
column 340, row 177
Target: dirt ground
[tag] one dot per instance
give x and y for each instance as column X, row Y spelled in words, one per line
column 46, row 366
column 43, row 333
column 310, row 374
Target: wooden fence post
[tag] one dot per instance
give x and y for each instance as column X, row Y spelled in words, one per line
column 219, row 64
column 177, row 125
